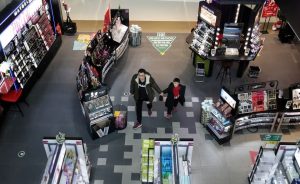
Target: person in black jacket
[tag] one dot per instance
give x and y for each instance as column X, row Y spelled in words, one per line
column 141, row 87
column 175, row 93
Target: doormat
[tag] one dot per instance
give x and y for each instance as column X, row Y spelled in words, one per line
column 161, row 42
column 82, row 41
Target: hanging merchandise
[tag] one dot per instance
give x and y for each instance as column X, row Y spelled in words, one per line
column 69, row 27
column 135, row 36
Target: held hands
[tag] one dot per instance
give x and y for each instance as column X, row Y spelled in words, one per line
column 161, row 96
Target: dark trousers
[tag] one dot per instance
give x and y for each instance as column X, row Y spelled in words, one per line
column 139, row 108
column 170, row 107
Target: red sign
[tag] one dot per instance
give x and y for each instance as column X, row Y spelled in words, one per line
column 270, row 9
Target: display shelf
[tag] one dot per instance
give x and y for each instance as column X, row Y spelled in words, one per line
column 256, row 120
column 67, row 161
column 25, row 47
column 205, row 110
column 171, row 162
column 257, row 101
column 216, row 133
column 275, row 166
column 289, row 119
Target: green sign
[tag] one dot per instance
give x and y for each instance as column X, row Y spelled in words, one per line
column 161, row 42
column 270, row 137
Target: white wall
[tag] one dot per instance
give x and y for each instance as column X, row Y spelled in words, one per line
column 142, row 10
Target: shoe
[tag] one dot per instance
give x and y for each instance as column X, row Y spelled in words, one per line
column 168, row 116
column 137, row 125
column 174, row 109
column 149, row 112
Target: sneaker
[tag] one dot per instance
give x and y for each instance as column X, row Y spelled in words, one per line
column 168, row 116
column 149, row 112
column 137, row 125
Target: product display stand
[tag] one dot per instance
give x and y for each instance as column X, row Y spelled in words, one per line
column 97, row 108
column 166, row 162
column 218, row 117
column 257, row 105
column 67, row 161
column 101, row 54
column 29, row 42
column 289, row 119
column 218, row 37
column 276, row 166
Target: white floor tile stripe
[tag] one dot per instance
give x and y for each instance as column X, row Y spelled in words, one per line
column 124, row 99
column 101, row 161
column 195, row 99
column 153, row 115
column 103, row 148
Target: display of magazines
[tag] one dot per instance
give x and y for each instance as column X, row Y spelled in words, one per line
column 258, row 101
column 274, row 167
column 67, row 162
column 166, row 163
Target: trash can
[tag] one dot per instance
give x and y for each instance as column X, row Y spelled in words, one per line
column 120, row 115
column 135, row 36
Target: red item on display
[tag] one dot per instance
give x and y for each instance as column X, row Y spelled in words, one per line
column 270, row 9
column 258, row 101
column 106, row 21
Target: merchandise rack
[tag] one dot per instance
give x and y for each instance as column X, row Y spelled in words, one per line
column 171, row 162
column 280, row 165
column 28, row 41
column 101, row 54
column 289, row 119
column 67, row 161
column 218, row 117
column 260, row 101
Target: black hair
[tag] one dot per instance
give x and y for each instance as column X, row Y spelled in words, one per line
column 176, row 80
column 142, row 70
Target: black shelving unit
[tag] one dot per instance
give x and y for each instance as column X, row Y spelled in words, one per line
column 28, row 40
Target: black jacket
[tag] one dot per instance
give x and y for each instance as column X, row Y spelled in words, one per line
column 150, row 85
column 170, row 96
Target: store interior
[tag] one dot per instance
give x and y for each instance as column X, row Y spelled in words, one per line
column 54, row 107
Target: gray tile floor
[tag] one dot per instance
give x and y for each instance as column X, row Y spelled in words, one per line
column 54, row 107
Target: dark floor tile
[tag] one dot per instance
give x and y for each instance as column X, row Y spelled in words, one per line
column 128, row 148
column 227, row 144
column 149, row 130
column 239, row 132
column 137, row 136
column 169, row 130
column 208, row 137
column 135, row 176
column 286, row 131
